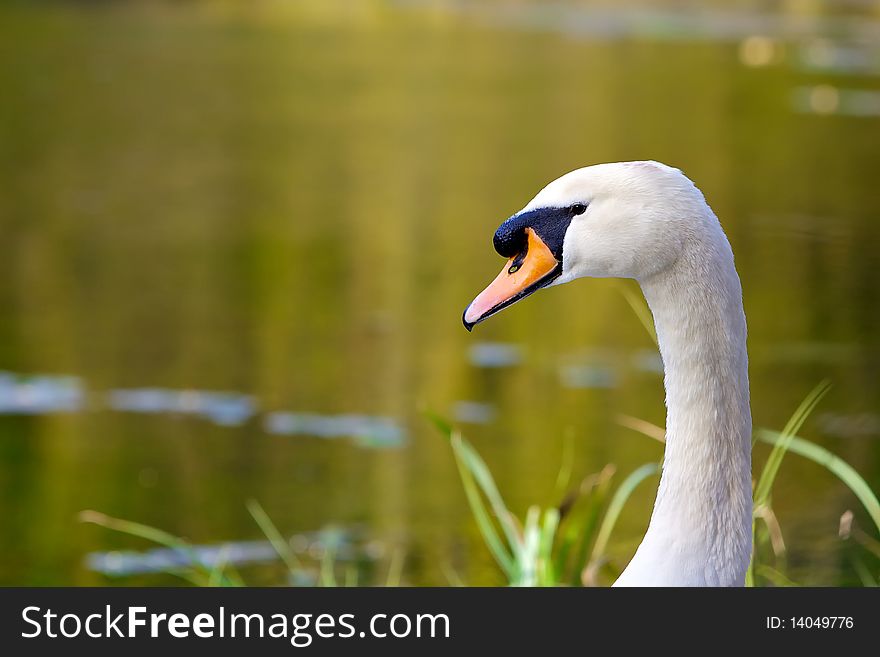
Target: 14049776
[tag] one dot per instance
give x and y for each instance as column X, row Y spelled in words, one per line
column 810, row 623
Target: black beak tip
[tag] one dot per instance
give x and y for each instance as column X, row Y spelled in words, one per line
column 468, row 325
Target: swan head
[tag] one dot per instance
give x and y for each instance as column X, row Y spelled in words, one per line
column 626, row 219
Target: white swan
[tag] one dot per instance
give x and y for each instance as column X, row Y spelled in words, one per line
column 647, row 221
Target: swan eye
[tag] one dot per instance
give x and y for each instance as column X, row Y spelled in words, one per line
column 578, row 208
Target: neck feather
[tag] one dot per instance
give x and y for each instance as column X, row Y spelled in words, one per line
column 700, row 530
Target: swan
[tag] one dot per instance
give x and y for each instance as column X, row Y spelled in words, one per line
column 649, row 222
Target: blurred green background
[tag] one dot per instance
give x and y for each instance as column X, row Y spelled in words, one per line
column 291, row 203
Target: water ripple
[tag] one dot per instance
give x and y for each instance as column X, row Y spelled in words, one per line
column 39, row 394
column 46, row 394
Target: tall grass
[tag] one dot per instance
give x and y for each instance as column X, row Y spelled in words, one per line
column 562, row 544
column 199, row 570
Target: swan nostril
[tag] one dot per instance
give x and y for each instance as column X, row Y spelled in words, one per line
column 510, row 239
column 509, row 243
column 520, row 258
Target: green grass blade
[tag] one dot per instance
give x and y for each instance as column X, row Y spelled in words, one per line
column 479, row 484
column 328, row 561
column 222, row 575
column 547, row 575
column 563, row 477
column 761, row 495
column 451, row 575
column 867, row 579
column 151, row 534
column 215, row 577
column 530, row 549
column 480, row 471
column 834, row 464
column 231, row 577
column 395, row 568
column 441, row 423
column 771, row 467
column 871, row 544
column 774, row 576
column 199, row 574
column 621, row 495
column 481, row 515
column 351, row 576
column 282, row 547
column 584, row 534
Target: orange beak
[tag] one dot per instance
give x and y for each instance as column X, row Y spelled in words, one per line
column 523, row 274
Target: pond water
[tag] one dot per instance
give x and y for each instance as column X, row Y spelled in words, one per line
column 236, row 245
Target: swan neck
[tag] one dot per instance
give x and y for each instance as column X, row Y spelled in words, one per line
column 700, row 531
